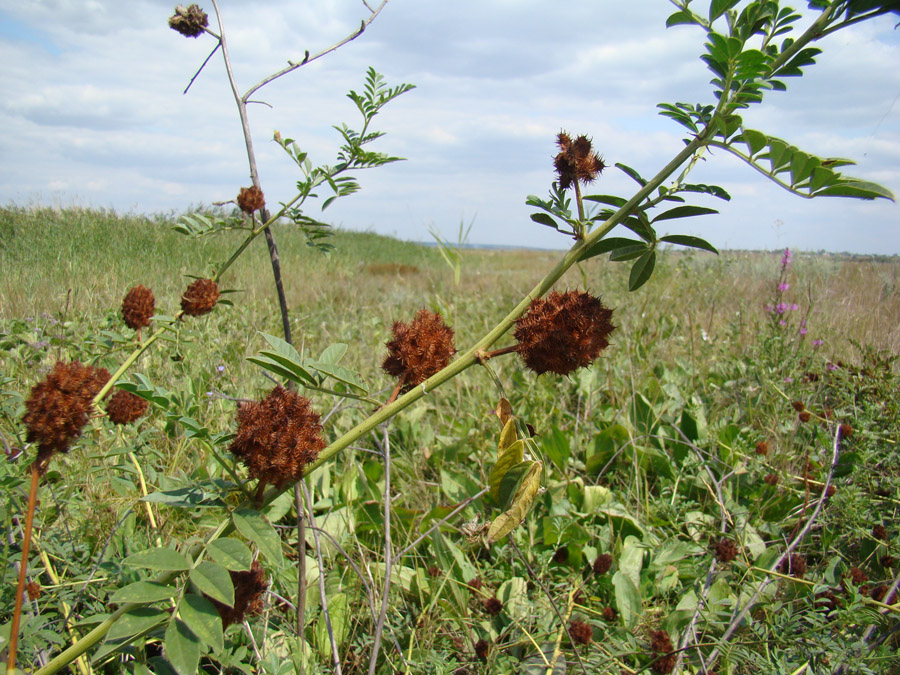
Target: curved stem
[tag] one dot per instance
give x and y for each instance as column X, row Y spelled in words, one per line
column 23, row 570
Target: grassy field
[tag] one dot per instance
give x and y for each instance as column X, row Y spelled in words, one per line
column 652, row 456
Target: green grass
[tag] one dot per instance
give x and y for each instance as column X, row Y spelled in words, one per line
column 648, row 452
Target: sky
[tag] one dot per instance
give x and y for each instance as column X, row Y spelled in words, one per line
column 93, row 113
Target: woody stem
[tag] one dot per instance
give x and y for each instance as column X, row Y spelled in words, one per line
column 23, row 570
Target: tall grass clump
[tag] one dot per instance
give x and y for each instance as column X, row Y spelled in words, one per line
column 579, row 488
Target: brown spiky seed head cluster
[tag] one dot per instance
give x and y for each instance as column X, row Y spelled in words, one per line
column 602, row 563
column 661, row 643
column 725, row 550
column 277, row 436
column 138, row 306
column 58, row 407
column 563, row 332
column 762, row 448
column 795, row 565
column 200, row 297
column 482, row 649
column 251, row 199
column 189, row 21
column 125, row 407
column 249, row 587
column 419, row 349
column 609, row 614
column 581, row 632
column 576, row 161
column 493, row 606
column 879, row 531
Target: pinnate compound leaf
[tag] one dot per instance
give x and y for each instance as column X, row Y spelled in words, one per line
column 182, row 648
column 257, row 529
column 231, row 554
column 200, row 615
column 522, row 501
column 214, row 580
column 162, row 559
column 143, row 592
column 642, row 270
column 687, row 240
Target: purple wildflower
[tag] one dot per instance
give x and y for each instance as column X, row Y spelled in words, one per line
column 818, row 343
column 783, row 286
column 803, row 327
column 793, row 307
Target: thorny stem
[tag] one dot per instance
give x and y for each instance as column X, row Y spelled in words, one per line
column 23, row 570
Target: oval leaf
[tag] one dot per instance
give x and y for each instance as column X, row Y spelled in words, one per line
column 136, row 622
column 687, row 240
column 607, row 245
column 163, row 559
column 143, row 592
column 214, row 580
column 182, row 648
column 231, row 554
column 628, row 599
column 509, row 457
column 257, row 529
column 683, row 212
column 641, row 270
column 200, row 615
column 521, row 504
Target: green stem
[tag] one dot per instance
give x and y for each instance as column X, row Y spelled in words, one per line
column 467, row 360
column 746, row 158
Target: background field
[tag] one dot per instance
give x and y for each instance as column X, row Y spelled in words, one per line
column 650, row 450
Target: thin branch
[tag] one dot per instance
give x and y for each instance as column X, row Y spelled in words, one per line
column 334, row 649
column 739, row 617
column 463, row 504
column 301, row 566
column 203, row 65
column 309, row 59
column 553, row 606
column 385, row 593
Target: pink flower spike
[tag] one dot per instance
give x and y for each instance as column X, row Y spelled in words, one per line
column 783, row 286
column 782, row 323
column 818, row 343
column 794, row 307
column 802, row 330
column 789, row 379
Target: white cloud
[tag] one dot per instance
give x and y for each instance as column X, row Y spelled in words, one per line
column 93, row 109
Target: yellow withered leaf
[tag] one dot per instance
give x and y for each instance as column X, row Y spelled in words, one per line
column 503, row 411
column 508, row 436
column 507, row 458
column 521, row 504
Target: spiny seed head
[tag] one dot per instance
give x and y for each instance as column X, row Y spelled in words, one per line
column 482, row 649
column 475, row 584
column 609, row 614
column 137, row 307
column 661, row 643
column 34, row 590
column 200, row 297
column 805, row 416
column 563, row 332
column 493, row 606
column 419, row 349
column 846, row 430
column 125, row 407
column 887, row 561
column 795, row 565
column 561, row 555
column 771, row 479
column 880, row 532
column 725, row 550
column 798, row 406
column 857, row 576
column 602, row 563
column 762, row 448
column 251, row 199
column 576, row 161
column 249, row 587
column 581, row 632
column 57, row 408
column 189, row 21
column 277, row 436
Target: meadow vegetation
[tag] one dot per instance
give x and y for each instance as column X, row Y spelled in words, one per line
column 695, row 353
column 387, row 457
